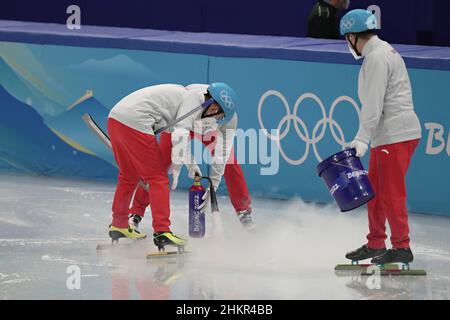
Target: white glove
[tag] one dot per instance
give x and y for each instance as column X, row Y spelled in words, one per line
column 175, row 171
column 194, row 170
column 361, row 147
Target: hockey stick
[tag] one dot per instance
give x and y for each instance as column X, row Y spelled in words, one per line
column 104, row 138
column 204, row 105
column 96, row 129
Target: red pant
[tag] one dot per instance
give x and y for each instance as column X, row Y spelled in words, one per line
column 138, row 156
column 387, row 170
column 234, row 177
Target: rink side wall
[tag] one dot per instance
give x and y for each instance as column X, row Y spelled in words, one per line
column 50, row 76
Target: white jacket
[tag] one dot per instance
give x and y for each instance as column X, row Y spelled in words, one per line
column 152, row 108
column 387, row 115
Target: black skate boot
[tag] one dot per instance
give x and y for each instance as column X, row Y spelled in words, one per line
column 393, row 255
column 161, row 239
column 364, row 253
column 246, row 219
column 134, row 220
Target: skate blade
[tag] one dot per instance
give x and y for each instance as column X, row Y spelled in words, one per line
column 397, row 272
column 110, row 245
column 122, row 244
column 166, row 254
column 359, row 267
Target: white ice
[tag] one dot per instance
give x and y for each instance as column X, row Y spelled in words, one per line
column 48, row 225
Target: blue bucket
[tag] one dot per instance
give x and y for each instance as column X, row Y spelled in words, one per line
column 346, row 179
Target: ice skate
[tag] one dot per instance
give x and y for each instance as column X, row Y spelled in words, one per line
column 359, row 254
column 364, row 253
column 396, row 256
column 162, row 239
column 246, row 219
column 116, row 233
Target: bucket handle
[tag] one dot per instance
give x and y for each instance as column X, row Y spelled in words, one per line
column 343, row 165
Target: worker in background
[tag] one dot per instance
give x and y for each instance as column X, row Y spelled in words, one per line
column 323, row 20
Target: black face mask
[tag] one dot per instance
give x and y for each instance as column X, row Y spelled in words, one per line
column 353, row 45
column 211, row 115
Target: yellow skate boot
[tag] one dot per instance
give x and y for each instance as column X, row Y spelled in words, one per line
column 116, row 233
column 161, row 239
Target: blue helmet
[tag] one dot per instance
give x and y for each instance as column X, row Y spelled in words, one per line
column 226, row 97
column 358, row 20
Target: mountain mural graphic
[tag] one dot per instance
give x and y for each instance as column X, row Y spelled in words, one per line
column 25, row 91
column 28, row 145
column 70, row 127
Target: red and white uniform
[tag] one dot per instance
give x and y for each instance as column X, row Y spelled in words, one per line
column 230, row 169
column 389, row 123
column 131, row 126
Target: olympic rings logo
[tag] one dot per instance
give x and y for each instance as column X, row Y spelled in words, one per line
column 347, row 23
column 226, row 99
column 318, row 131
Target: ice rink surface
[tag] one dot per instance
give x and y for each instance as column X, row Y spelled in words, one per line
column 50, row 227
